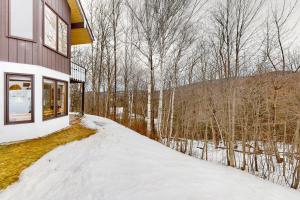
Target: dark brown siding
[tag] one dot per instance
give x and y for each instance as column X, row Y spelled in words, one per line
column 34, row 53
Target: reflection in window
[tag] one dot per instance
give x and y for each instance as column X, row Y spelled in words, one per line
column 50, row 27
column 48, row 99
column 61, row 98
column 62, row 37
column 55, row 100
column 19, row 98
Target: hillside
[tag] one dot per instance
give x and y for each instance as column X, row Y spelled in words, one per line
column 118, row 163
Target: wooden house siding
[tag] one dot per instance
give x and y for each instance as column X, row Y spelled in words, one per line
column 34, row 53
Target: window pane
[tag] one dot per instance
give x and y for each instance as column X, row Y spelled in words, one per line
column 62, row 37
column 19, row 98
column 48, row 99
column 21, row 18
column 61, row 98
column 50, row 28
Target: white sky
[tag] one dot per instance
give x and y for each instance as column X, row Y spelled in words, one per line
column 291, row 40
column 294, row 19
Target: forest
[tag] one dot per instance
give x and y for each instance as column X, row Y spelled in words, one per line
column 215, row 79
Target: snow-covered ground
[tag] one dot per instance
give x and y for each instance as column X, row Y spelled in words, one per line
column 119, row 164
column 268, row 167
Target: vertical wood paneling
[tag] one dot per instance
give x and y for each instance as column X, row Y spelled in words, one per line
column 60, row 9
column 21, row 51
column 28, row 53
column 3, row 28
column 52, row 60
column 44, row 57
column 35, row 53
column 58, row 62
column 12, row 50
column 39, row 31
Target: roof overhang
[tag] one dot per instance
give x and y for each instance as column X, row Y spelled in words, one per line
column 81, row 32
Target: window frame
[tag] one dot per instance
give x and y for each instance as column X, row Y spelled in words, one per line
column 33, row 39
column 6, row 99
column 66, row 55
column 65, row 84
column 55, row 98
column 44, row 24
column 57, row 20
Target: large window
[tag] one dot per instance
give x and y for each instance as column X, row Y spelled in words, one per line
column 55, row 98
column 21, row 19
column 19, row 98
column 55, row 32
column 62, row 37
column 61, row 98
column 48, row 99
column 50, row 27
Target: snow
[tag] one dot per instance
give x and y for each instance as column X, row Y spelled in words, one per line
column 119, row 111
column 218, row 155
column 119, row 164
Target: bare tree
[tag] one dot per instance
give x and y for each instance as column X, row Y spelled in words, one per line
column 278, row 29
column 114, row 18
column 170, row 17
column 233, row 20
column 146, row 31
column 224, row 79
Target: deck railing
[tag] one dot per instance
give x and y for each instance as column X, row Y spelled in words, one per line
column 78, row 73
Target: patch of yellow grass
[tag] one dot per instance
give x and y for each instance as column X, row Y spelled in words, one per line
column 14, row 158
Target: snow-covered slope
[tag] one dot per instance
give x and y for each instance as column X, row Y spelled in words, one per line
column 119, row 164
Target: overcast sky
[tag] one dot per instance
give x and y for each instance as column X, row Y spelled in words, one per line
column 293, row 37
column 294, row 19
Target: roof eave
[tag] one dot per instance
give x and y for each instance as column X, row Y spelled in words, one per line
column 80, row 23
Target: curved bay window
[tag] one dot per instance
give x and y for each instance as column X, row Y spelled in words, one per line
column 19, row 99
column 55, row 98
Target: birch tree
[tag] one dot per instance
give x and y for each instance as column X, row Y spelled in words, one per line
column 169, row 16
column 146, row 32
column 115, row 17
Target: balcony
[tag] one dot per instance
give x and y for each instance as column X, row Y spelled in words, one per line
column 78, row 73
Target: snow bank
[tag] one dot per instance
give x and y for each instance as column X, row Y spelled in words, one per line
column 119, row 164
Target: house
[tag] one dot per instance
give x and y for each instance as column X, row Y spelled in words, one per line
column 35, row 64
